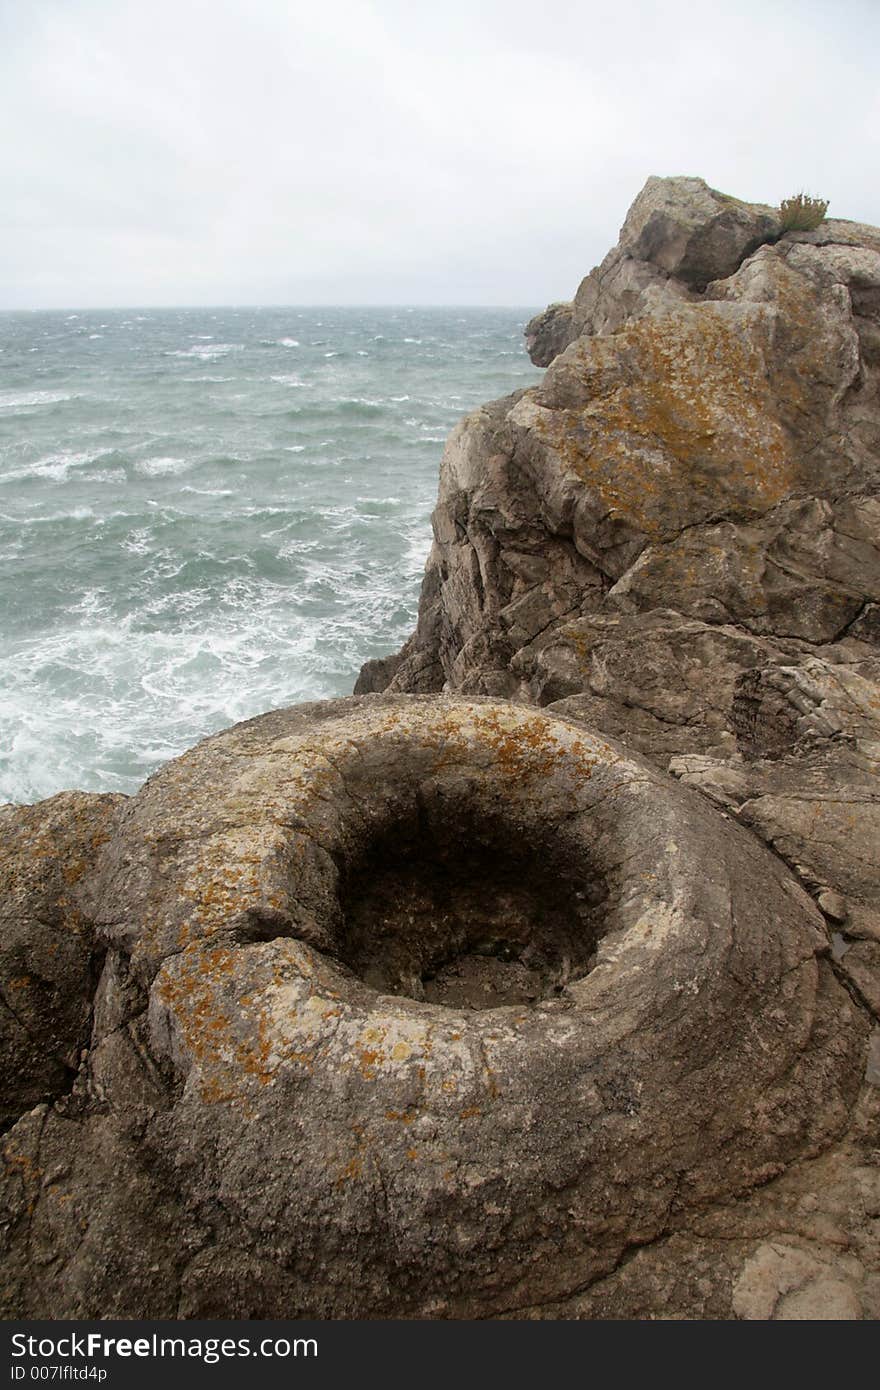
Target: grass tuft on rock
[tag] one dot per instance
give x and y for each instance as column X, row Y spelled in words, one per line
column 801, row 213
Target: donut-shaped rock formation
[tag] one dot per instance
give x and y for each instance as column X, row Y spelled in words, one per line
column 458, row 1001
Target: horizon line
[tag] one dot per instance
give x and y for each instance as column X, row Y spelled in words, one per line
column 327, row 304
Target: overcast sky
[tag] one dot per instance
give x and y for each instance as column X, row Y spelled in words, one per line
column 401, row 151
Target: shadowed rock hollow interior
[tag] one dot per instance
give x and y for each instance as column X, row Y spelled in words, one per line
column 452, row 907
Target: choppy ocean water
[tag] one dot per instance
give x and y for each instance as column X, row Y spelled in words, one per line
column 207, row 513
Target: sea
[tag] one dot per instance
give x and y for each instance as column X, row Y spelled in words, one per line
column 208, row 513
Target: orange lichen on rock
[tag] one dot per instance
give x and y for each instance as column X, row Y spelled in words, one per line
column 670, row 413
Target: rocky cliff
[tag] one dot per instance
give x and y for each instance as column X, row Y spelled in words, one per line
column 676, row 535
column 541, row 978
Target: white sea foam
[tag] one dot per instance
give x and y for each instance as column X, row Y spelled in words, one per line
column 418, row 540
column 206, row 353
column 55, row 467
column 73, row 514
column 14, row 400
column 266, row 582
column 138, row 542
column 159, row 467
column 287, row 342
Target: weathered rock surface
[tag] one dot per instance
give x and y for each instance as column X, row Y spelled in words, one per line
column 676, row 538
column 546, row 983
column 550, row 333
column 716, row 458
column 420, row 1006
column 678, row 236
column 50, row 959
column 678, row 530
column 806, row 1246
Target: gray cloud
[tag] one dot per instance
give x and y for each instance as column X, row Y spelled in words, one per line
column 259, row 151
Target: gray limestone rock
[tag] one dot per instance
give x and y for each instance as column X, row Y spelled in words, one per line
column 675, row 537
column 419, row 1006
column 678, row 237
column 549, row 333
column 667, row 530
column 49, row 957
column 692, row 232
